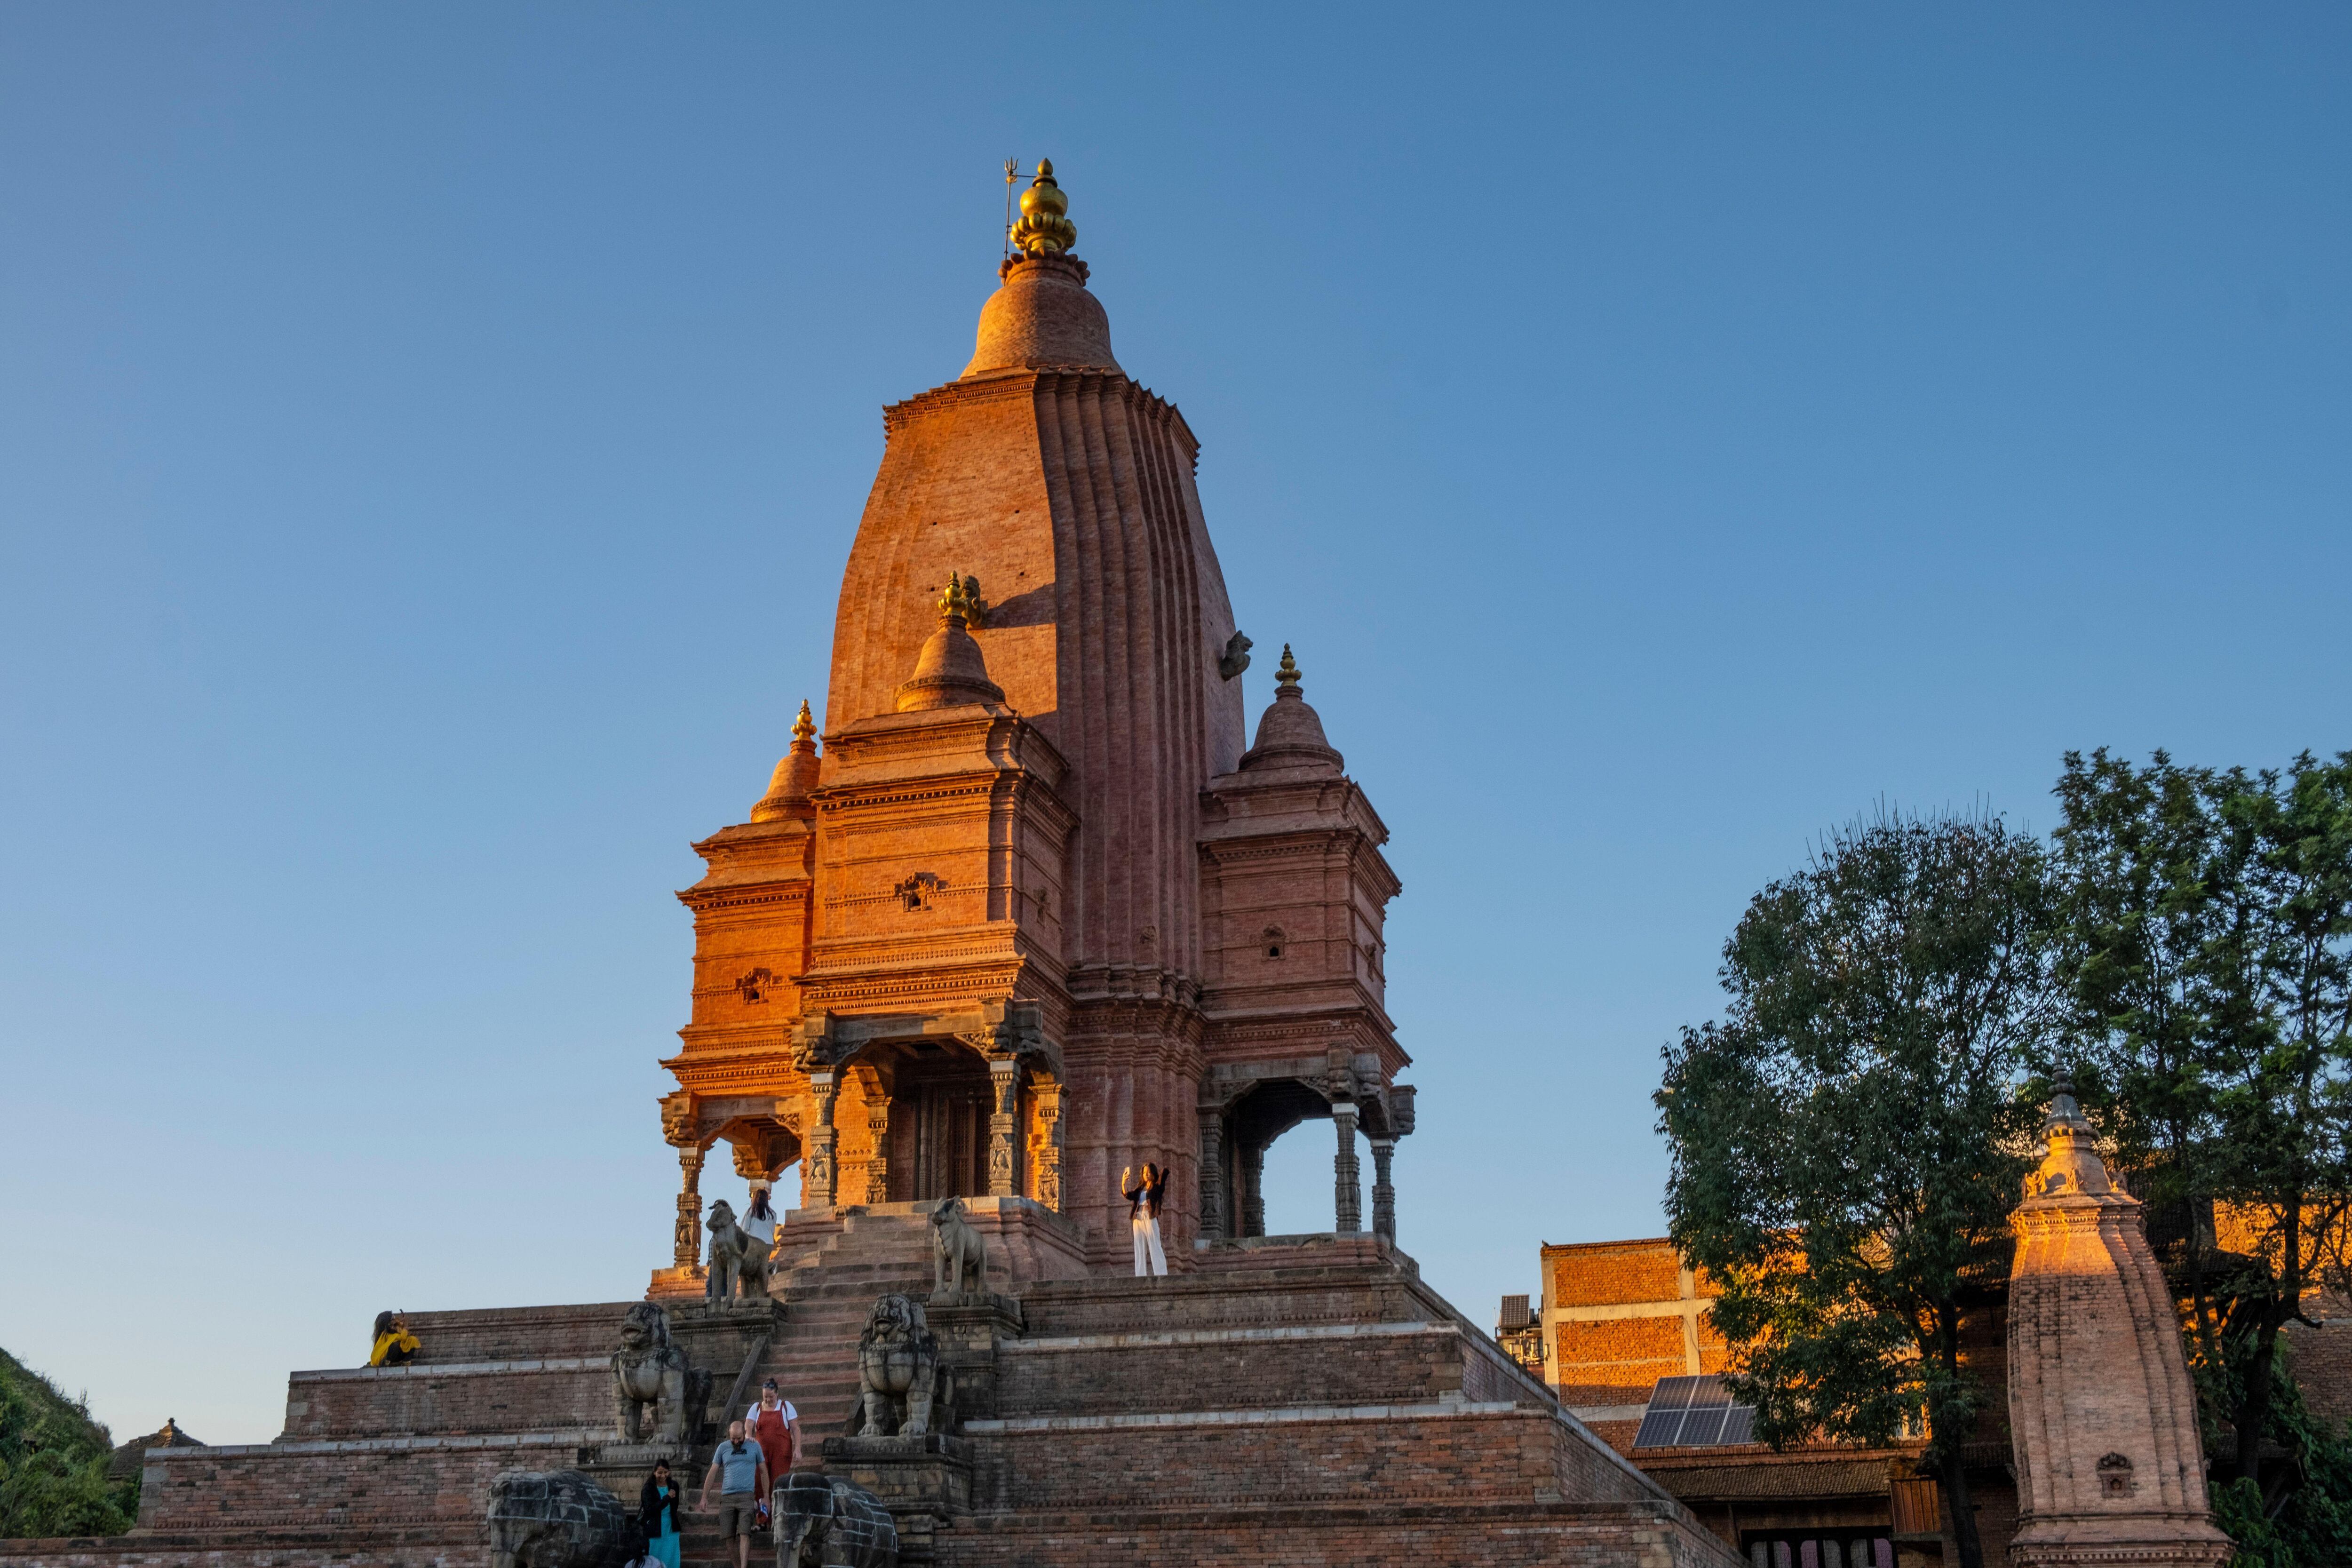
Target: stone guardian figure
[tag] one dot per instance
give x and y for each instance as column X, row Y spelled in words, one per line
column 649, row 1374
column 901, row 1387
column 960, row 1254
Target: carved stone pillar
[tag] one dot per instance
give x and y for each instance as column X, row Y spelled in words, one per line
column 1346, row 1191
column 817, row 1165
column 878, row 1129
column 1213, row 1175
column 685, row 1246
column 1383, row 1195
column 1253, row 1215
column 1004, row 1081
column 1045, row 1146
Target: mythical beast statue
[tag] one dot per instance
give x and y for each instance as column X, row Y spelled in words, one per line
column 650, row 1371
column 902, row 1390
column 961, row 1258
column 739, row 1260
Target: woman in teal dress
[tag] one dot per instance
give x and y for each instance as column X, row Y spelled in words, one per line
column 657, row 1511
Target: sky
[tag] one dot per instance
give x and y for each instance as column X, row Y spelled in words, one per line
column 431, row 436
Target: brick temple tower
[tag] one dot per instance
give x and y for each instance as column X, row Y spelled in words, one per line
column 1036, row 916
column 2103, row 1421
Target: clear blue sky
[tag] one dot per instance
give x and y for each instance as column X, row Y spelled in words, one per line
column 430, row 438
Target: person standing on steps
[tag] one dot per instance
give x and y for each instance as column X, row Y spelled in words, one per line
column 741, row 1472
column 775, row 1426
column 657, row 1507
column 1143, row 1216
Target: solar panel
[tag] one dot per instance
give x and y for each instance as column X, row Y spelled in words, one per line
column 1694, row 1412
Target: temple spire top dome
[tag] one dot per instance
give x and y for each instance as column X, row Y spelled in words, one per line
column 1290, row 735
column 1041, row 317
column 950, row 671
column 796, row 774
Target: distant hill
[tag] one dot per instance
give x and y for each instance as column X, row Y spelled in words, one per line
column 53, row 1461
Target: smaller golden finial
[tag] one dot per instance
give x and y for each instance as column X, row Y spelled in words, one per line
column 1044, row 228
column 961, row 598
column 804, row 727
column 952, row 602
column 1286, row 673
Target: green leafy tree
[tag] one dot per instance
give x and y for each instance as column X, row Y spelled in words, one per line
column 2207, row 948
column 2140, row 852
column 1848, row 1141
column 52, row 1461
column 2281, row 1057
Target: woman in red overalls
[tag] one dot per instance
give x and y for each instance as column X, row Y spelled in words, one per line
column 776, row 1427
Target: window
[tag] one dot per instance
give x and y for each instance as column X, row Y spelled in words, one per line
column 1824, row 1547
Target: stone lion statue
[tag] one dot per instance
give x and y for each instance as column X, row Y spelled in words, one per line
column 739, row 1260
column 961, row 1258
column 902, row 1390
column 649, row 1371
column 821, row 1520
column 555, row 1519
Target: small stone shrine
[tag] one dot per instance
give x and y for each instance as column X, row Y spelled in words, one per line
column 2103, row 1420
column 1040, row 910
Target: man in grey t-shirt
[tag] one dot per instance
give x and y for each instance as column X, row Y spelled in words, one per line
column 741, row 1472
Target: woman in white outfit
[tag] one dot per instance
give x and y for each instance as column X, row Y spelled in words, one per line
column 1143, row 1216
column 760, row 1220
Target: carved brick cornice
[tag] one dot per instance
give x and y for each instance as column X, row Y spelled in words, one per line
column 747, row 895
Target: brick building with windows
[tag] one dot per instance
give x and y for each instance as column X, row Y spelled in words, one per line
column 1618, row 1319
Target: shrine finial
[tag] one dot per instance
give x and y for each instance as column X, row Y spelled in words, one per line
column 1044, row 227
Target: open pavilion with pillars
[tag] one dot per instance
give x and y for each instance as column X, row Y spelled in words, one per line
column 903, row 1034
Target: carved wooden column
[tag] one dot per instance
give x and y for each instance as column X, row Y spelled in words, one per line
column 1046, row 1144
column 1383, row 1195
column 1005, row 1079
column 817, row 1165
column 1213, row 1175
column 1347, row 1198
column 686, row 1246
column 1253, row 1215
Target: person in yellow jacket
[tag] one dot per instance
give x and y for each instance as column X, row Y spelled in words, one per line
column 395, row 1345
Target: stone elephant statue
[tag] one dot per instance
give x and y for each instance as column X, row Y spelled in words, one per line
column 556, row 1518
column 821, row 1522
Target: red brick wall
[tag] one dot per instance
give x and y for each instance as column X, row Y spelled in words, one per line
column 429, row 1399
column 1115, row 1378
column 1611, row 1273
column 1501, row 1456
column 1493, row 1536
column 356, row 1490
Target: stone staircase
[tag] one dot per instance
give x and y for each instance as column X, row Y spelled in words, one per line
column 836, row 1265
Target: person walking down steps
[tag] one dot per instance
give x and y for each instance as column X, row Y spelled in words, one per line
column 658, row 1506
column 775, row 1426
column 741, row 1470
column 1143, row 1216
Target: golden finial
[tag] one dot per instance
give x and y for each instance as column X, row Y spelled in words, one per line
column 803, row 727
column 961, row 598
column 951, row 598
column 1287, row 672
column 1044, row 228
